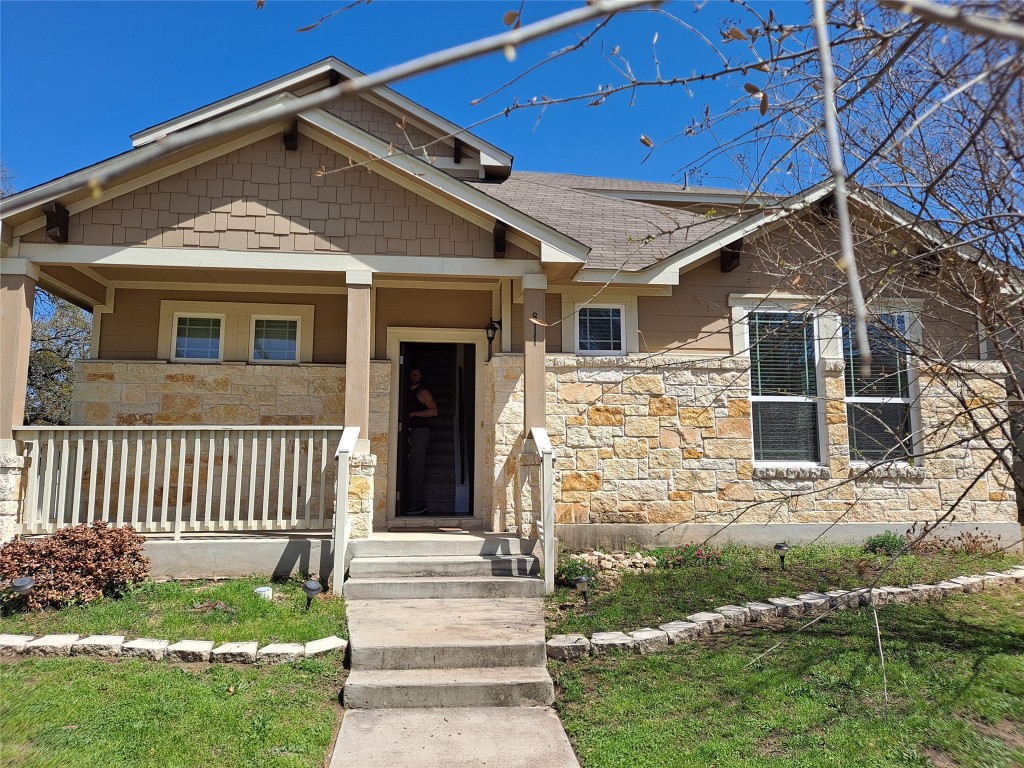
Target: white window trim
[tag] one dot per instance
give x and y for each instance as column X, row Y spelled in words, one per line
column 912, row 400
column 823, row 326
column 200, row 315
column 252, row 339
column 236, row 328
column 624, row 349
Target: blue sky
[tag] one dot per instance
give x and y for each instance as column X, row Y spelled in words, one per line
column 76, row 78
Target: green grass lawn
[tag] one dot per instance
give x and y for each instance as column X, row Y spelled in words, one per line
column 79, row 713
column 746, row 574
column 955, row 681
column 191, row 610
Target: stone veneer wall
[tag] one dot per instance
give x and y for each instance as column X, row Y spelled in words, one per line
column 668, row 440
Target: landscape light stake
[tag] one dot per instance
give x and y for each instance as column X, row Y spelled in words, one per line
column 22, row 585
column 312, row 589
column 782, row 548
column 582, row 584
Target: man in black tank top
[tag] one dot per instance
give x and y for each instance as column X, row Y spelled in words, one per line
column 422, row 409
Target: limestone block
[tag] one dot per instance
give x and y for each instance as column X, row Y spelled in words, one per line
column 925, row 592
column 190, row 651
column 98, row 645
column 324, row 646
column 843, row 599
column 630, row 448
column 145, row 648
column 51, row 645
column 970, row 584
column 788, row 607
column 605, row 416
column 662, row 406
column 276, row 653
column 762, row 611
column 679, row 631
column 237, row 653
column 697, row 417
column 899, row 595
column 638, row 426
column 949, row 588
column 579, row 393
column 568, row 647
column 713, row 622
column 12, row 645
column 649, row 640
column 581, row 481
column 996, row 579
column 643, row 385
column 601, row 642
column 642, row 490
column 735, row 615
column 815, row 603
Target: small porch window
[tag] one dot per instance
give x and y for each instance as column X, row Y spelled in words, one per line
column 599, row 331
column 198, row 338
column 275, row 340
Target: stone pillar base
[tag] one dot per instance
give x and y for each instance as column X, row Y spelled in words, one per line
column 528, row 495
column 12, row 465
column 361, row 469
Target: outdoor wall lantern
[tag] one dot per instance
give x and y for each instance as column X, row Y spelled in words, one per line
column 782, row 548
column 22, row 585
column 491, row 329
column 582, row 584
column 312, row 589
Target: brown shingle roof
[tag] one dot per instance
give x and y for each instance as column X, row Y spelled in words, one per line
column 622, row 234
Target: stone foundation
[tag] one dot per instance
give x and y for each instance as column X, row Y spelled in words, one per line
column 11, row 489
column 361, row 495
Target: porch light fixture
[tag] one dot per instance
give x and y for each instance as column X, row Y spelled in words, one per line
column 582, row 584
column 781, row 549
column 491, row 329
column 22, row 585
column 312, row 589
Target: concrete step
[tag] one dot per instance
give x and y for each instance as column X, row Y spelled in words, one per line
column 475, row 687
column 427, row 587
column 448, row 565
column 530, row 737
column 458, row 543
column 439, row 634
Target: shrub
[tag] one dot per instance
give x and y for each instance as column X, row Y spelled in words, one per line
column 571, row 568
column 885, row 543
column 76, row 565
column 688, row 554
column 975, row 542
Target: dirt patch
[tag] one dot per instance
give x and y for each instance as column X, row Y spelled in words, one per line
column 940, row 759
column 1009, row 732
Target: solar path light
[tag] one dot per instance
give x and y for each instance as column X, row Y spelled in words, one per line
column 781, row 549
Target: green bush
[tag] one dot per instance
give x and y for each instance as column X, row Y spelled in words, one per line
column 571, row 568
column 687, row 555
column 76, row 565
column 886, row 543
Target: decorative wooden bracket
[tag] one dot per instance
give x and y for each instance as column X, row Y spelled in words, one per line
column 56, row 222
column 827, row 206
column 500, row 240
column 729, row 257
column 333, row 77
column 291, row 136
column 457, row 154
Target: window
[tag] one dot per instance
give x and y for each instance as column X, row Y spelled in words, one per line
column 275, row 340
column 784, row 386
column 197, row 338
column 878, row 403
column 599, row 330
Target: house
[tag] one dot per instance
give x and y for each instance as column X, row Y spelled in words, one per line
column 260, row 281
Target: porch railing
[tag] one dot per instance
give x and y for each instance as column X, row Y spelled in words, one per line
column 539, row 442
column 180, row 480
column 346, row 447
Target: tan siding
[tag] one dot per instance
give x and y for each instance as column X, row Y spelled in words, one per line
column 264, row 198
column 76, row 280
column 411, row 308
column 131, row 331
column 386, row 125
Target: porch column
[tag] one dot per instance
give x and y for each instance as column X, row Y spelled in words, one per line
column 357, row 356
column 17, row 291
column 534, row 340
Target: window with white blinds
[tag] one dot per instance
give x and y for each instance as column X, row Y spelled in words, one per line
column 784, row 387
column 599, row 330
column 878, row 400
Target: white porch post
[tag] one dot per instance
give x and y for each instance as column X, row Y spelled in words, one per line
column 534, row 342
column 357, row 356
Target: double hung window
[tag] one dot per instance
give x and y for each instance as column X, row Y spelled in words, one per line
column 198, row 338
column 275, row 340
column 878, row 400
column 784, row 387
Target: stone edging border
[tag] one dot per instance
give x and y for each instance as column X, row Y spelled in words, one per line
column 186, row 651
column 647, row 640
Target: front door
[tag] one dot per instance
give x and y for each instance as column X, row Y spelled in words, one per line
column 435, row 454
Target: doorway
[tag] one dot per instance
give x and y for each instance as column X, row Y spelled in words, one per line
column 445, row 469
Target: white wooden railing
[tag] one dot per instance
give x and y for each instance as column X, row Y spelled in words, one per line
column 346, row 447
column 539, row 442
column 178, row 480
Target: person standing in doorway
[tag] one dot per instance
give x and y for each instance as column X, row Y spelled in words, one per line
column 422, row 409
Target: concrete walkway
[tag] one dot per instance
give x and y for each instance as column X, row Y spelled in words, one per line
column 448, row 676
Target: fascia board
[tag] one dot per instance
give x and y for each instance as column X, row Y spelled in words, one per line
column 719, row 198
column 370, row 145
